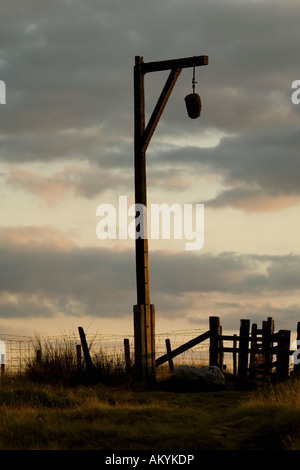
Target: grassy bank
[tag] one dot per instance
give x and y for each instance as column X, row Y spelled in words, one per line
column 41, row 416
column 55, row 405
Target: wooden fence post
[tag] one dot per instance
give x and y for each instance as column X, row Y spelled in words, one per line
column 221, row 352
column 215, row 329
column 234, row 354
column 267, row 344
column 283, row 354
column 243, row 348
column 127, row 356
column 254, row 351
column 86, row 353
column 170, row 359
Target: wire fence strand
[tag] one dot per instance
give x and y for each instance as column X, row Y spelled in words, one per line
column 20, row 350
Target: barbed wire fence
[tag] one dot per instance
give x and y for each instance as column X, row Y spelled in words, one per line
column 20, row 350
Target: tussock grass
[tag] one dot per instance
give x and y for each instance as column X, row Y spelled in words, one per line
column 58, row 363
column 272, row 414
column 55, row 405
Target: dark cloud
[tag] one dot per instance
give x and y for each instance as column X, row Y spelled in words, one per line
column 285, row 317
column 71, row 181
column 68, row 69
column 69, row 65
column 101, row 282
column 258, row 171
column 74, row 282
column 227, row 272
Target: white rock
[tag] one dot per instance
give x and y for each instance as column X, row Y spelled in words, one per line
column 209, row 374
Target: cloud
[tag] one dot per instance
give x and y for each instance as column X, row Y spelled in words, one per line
column 36, row 238
column 68, row 68
column 227, row 272
column 285, row 315
column 95, row 143
column 253, row 200
column 79, row 181
column 257, row 172
column 24, row 306
column 75, row 70
column 37, row 265
column 70, row 92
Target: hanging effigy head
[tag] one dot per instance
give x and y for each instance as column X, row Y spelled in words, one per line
column 193, row 105
column 193, row 101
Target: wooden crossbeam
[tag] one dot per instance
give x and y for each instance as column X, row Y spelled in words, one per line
column 184, row 63
column 160, row 106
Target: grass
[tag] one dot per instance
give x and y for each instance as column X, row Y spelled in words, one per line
column 43, row 410
column 273, row 415
column 37, row 416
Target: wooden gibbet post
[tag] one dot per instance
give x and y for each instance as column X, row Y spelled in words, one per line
column 283, row 354
column 243, row 348
column 144, row 312
column 143, row 326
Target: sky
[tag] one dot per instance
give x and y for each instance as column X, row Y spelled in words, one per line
column 67, row 143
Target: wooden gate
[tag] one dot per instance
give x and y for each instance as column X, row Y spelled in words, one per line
column 258, row 353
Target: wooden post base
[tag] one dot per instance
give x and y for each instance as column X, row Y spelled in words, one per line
column 144, row 342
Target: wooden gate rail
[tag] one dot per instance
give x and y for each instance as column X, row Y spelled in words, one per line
column 184, row 347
